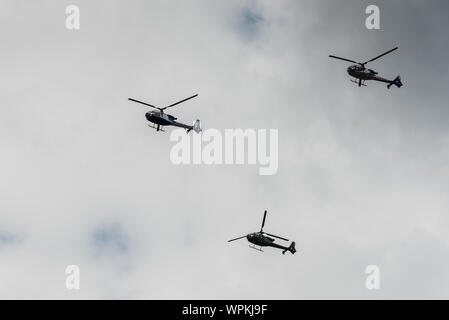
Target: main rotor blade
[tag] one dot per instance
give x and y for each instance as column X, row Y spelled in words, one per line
column 263, row 221
column 236, row 238
column 147, row 104
column 276, row 236
column 174, row 104
column 381, row 55
column 335, row 57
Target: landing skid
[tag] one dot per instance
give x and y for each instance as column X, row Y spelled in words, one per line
column 254, row 247
column 158, row 128
column 359, row 82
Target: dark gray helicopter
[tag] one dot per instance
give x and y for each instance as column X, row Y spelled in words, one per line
column 359, row 72
column 161, row 119
column 259, row 239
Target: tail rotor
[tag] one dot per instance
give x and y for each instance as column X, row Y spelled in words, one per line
column 291, row 248
column 397, row 82
column 197, row 126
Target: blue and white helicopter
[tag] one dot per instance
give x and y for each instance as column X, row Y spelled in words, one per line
column 362, row 74
column 161, row 119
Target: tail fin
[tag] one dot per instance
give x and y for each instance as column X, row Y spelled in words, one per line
column 291, row 248
column 197, row 126
column 397, row 82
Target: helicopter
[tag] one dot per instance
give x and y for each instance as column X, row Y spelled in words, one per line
column 362, row 74
column 260, row 239
column 161, row 119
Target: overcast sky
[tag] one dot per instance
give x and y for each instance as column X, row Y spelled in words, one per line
column 363, row 172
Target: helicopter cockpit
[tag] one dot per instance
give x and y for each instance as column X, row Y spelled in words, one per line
column 355, row 68
column 153, row 112
column 252, row 236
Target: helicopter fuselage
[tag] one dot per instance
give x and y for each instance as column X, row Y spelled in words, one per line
column 362, row 73
column 259, row 239
column 163, row 119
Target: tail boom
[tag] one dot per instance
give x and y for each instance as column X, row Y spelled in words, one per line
column 195, row 127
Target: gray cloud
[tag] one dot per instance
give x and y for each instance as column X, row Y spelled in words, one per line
column 110, row 238
column 248, row 24
column 7, row 239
